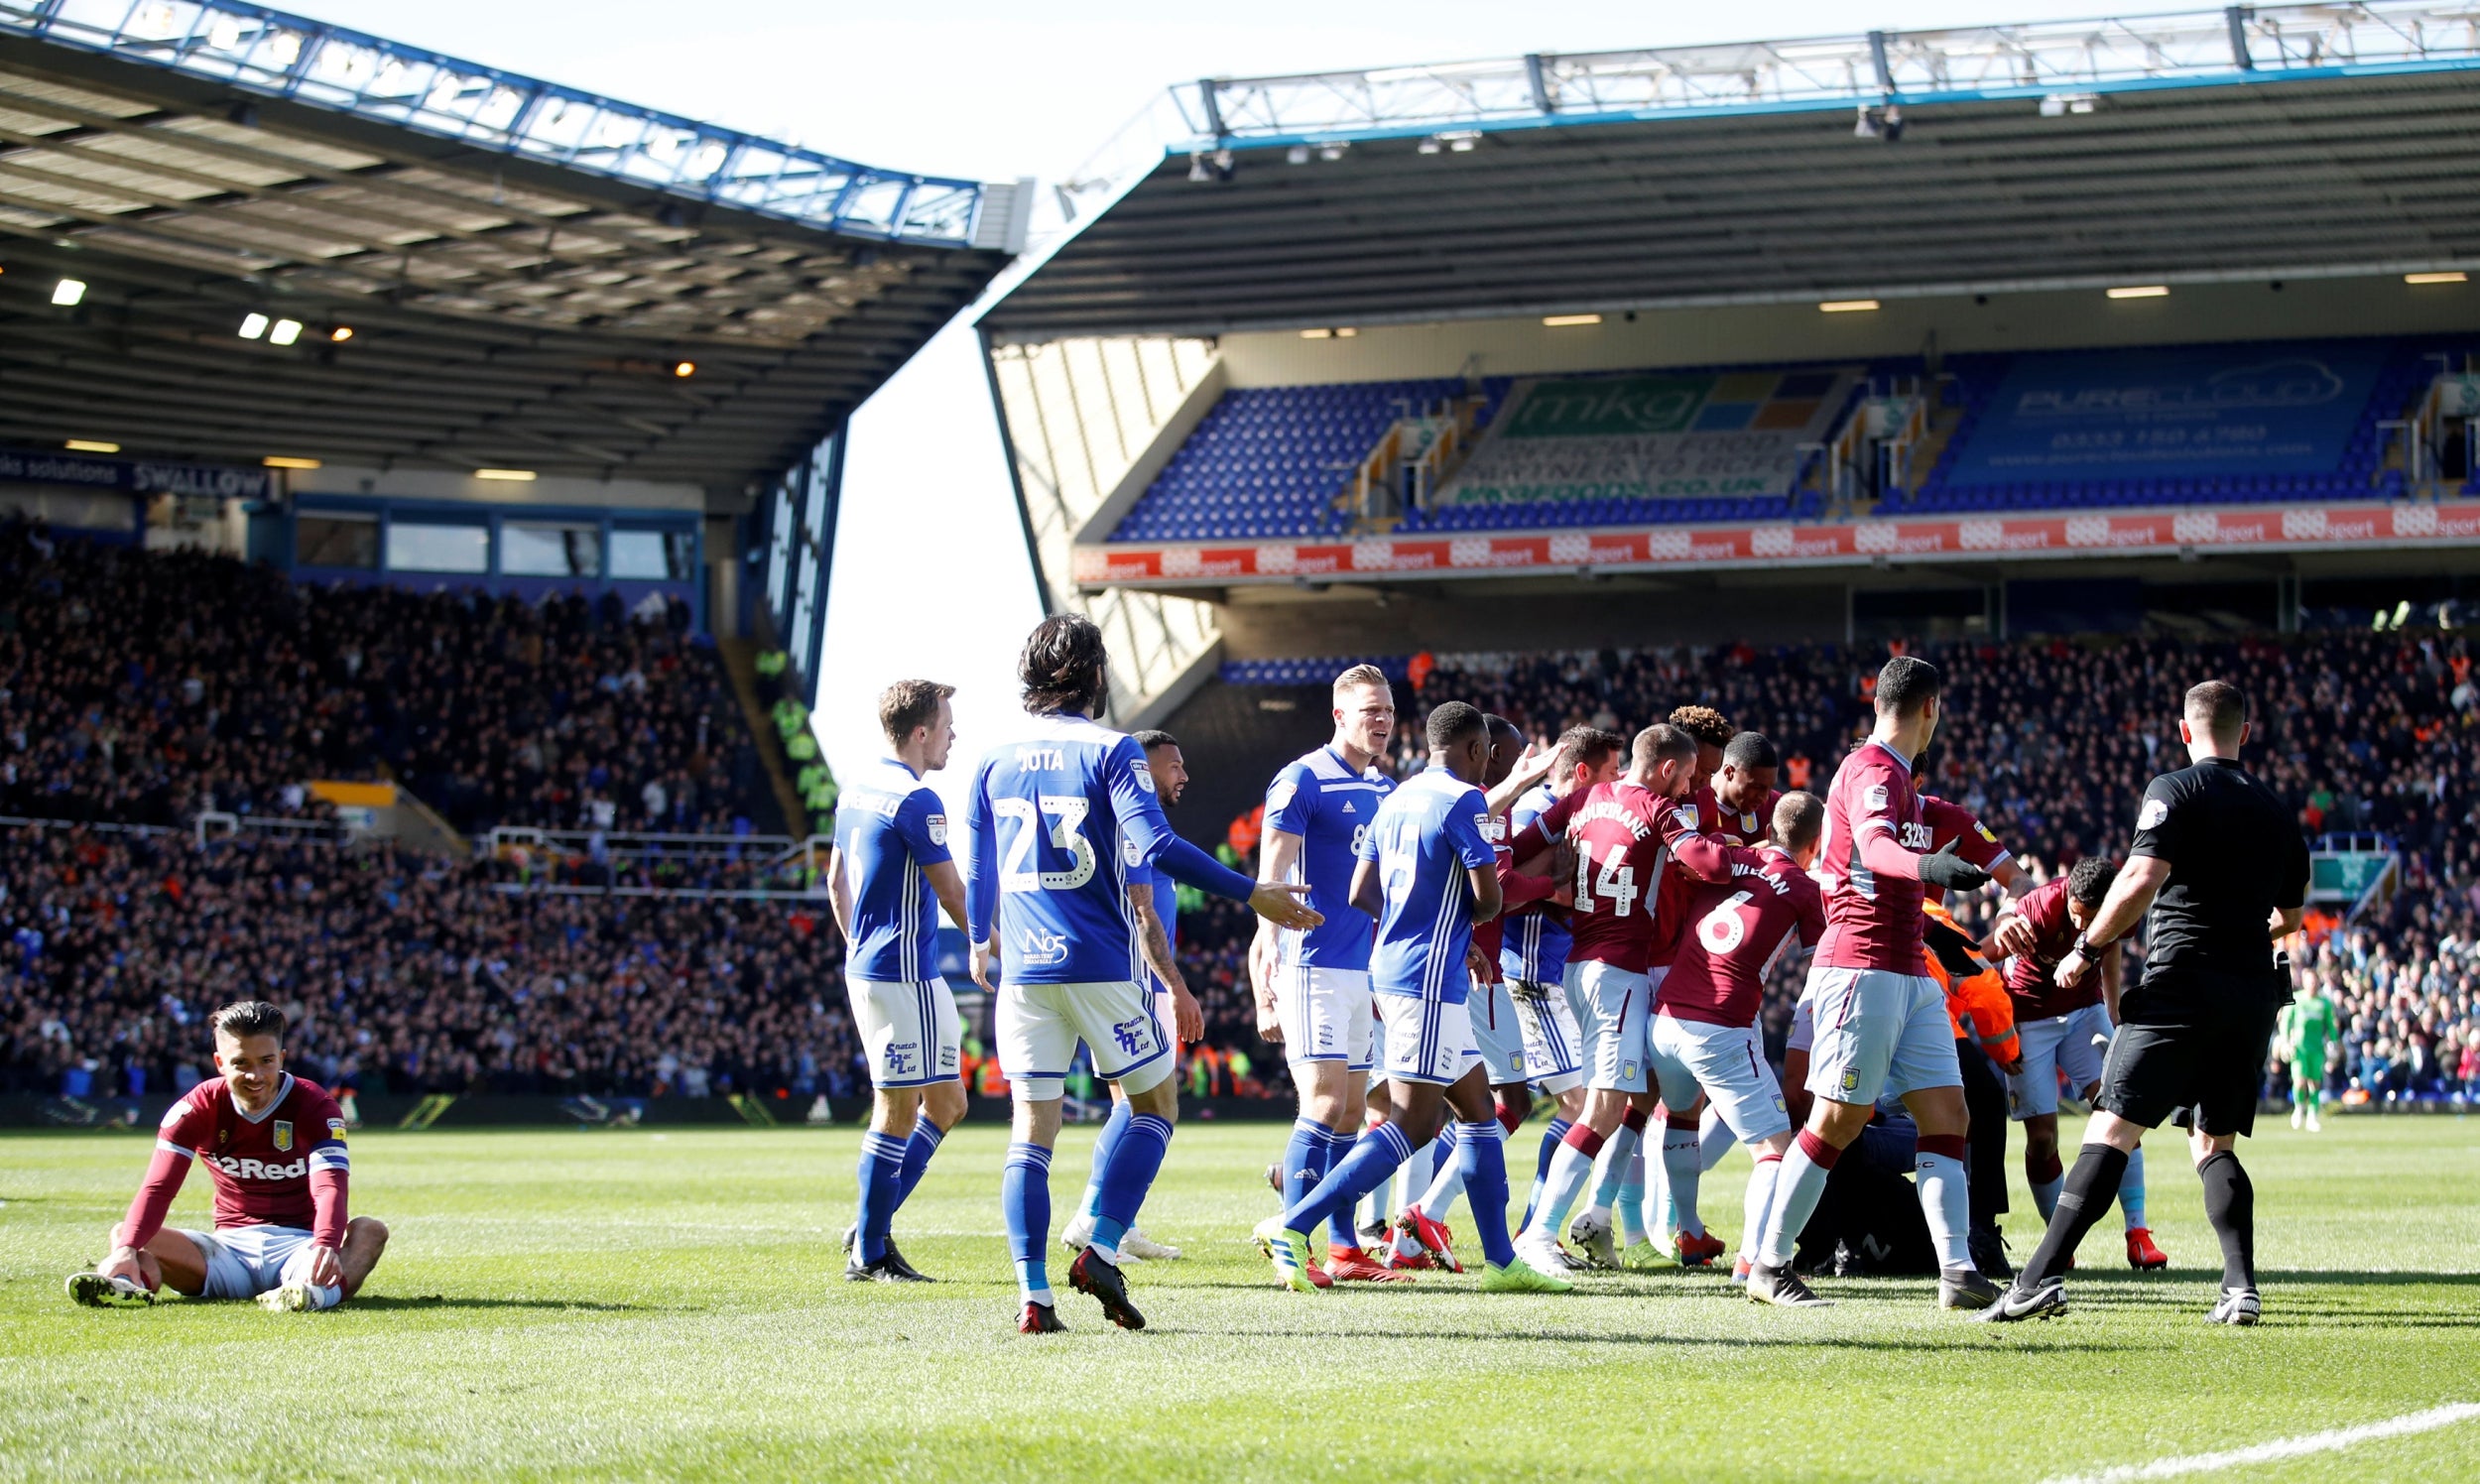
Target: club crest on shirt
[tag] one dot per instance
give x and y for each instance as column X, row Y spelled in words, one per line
column 283, row 1134
column 1874, row 796
column 939, row 830
column 2155, row 810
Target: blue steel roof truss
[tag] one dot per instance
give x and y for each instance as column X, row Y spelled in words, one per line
column 281, row 56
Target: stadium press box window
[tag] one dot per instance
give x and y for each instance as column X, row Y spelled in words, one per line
column 652, row 556
column 349, row 541
column 545, row 551
column 439, row 549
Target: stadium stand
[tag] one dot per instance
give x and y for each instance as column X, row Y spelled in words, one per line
column 142, row 687
column 1746, row 443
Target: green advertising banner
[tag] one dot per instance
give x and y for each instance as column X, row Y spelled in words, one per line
column 1651, row 436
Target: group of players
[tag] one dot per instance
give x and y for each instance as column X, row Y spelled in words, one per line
column 1597, row 921
column 1626, row 902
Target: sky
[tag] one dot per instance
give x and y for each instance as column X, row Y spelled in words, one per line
column 930, row 576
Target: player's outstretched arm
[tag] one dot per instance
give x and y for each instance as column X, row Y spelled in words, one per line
column 1881, row 854
column 981, row 878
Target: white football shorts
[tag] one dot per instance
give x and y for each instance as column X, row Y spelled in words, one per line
column 1610, row 1005
column 1879, row 1034
column 2061, row 1043
column 1727, row 1064
column 1553, row 1044
column 1325, row 1014
column 1428, row 1041
column 1498, row 1031
column 1041, row 1024
column 909, row 1030
column 243, row 1262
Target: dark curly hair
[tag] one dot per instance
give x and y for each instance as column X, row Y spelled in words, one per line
column 1708, row 727
column 1064, row 666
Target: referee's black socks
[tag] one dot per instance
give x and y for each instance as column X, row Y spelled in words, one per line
column 2230, row 1204
column 2091, row 1189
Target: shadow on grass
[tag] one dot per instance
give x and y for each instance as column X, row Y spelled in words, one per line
column 443, row 1301
column 1941, row 1345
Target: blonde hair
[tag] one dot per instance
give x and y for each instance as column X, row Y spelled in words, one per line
column 1362, row 674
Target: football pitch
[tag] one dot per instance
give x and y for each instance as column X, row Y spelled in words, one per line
column 639, row 1304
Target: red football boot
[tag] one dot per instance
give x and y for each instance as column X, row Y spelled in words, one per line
column 1698, row 1251
column 2141, row 1255
column 1434, row 1239
column 1354, row 1266
column 1040, row 1319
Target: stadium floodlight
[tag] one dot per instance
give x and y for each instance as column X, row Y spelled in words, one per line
column 67, row 291
column 2447, row 276
column 1562, row 321
column 90, row 445
column 513, row 476
column 685, row 369
column 1319, row 334
column 2139, row 291
column 286, row 332
column 253, row 326
column 1333, row 152
column 2060, row 105
column 341, row 333
column 1296, row 155
column 280, row 461
column 1848, row 306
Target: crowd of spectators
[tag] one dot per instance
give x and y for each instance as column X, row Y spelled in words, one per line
column 145, row 686
column 402, row 973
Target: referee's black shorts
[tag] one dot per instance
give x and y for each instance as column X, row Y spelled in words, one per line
column 2192, row 1051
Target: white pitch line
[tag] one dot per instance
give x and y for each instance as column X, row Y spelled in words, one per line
column 2282, row 1447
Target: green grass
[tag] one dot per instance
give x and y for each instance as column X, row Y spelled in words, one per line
column 638, row 1303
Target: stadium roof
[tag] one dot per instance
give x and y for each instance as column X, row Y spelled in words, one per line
column 2258, row 141
column 521, row 267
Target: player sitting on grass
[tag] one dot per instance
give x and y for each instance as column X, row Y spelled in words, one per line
column 275, row 1145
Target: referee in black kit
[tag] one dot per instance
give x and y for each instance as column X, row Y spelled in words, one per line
column 2224, row 869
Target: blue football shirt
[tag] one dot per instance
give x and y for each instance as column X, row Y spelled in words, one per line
column 1330, row 808
column 1427, row 834
column 889, row 825
column 1535, row 945
column 1058, row 820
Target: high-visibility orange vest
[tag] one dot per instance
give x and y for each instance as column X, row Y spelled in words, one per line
column 1978, row 991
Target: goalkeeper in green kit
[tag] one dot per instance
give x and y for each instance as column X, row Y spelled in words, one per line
column 2308, row 1025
